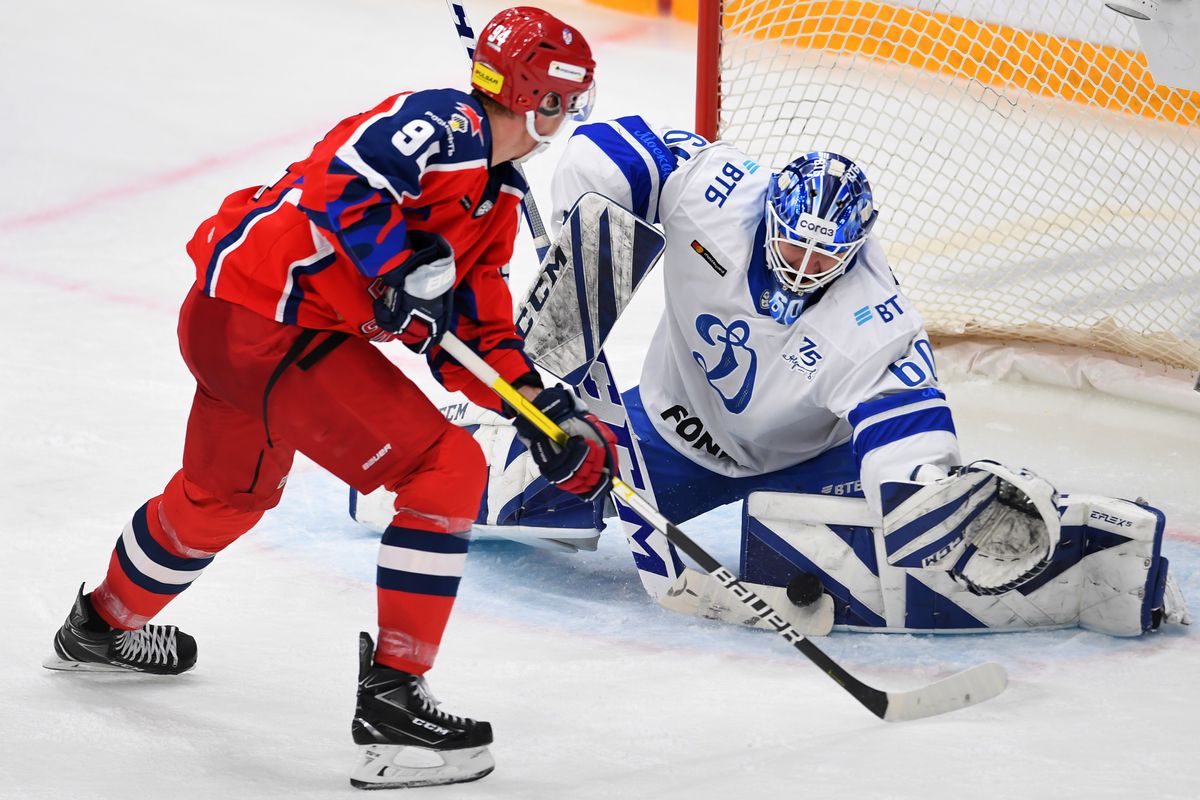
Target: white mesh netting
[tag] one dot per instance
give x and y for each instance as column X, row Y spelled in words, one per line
column 1033, row 181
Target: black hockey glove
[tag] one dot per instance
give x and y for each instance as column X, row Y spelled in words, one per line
column 417, row 297
column 586, row 465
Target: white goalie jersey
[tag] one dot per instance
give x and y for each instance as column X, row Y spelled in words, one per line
column 855, row 364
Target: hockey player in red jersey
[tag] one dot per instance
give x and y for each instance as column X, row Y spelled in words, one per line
column 399, row 224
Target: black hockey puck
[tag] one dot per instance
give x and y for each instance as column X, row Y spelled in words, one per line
column 804, row 589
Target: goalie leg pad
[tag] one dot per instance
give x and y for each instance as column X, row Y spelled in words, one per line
column 1127, row 588
column 832, row 538
column 1107, row 573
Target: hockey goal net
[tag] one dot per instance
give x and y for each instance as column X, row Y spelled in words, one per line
column 1034, row 182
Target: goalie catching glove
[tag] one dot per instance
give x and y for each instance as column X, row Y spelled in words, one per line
column 416, row 301
column 588, row 461
column 992, row 528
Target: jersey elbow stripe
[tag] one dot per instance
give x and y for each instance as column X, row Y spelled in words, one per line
column 235, row 238
column 893, row 417
column 288, row 309
column 894, row 429
column 891, row 402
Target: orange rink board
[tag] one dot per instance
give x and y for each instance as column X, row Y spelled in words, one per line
column 991, row 53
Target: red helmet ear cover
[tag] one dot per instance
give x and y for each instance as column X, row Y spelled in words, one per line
column 515, row 56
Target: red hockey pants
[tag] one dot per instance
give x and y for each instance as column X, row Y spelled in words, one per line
column 264, row 391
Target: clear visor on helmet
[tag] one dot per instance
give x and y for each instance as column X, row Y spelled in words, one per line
column 579, row 104
column 806, row 257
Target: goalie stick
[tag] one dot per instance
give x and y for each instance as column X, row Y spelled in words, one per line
column 963, row 689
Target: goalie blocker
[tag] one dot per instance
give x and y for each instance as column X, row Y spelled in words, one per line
column 987, row 549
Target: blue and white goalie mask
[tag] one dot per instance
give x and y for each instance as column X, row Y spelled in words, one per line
column 819, row 212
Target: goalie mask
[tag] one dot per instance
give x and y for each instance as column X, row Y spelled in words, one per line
column 532, row 63
column 819, row 212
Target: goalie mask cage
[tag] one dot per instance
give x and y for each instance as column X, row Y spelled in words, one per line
column 1034, row 182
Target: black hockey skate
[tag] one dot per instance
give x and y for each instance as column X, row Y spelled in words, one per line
column 404, row 740
column 86, row 643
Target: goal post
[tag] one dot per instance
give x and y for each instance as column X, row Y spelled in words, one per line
column 1035, row 183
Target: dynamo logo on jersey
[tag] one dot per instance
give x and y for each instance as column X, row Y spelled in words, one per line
column 736, row 364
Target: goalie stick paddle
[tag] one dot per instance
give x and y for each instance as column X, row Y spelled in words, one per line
column 466, row 36
column 963, row 689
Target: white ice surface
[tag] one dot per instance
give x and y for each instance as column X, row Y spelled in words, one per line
column 123, row 126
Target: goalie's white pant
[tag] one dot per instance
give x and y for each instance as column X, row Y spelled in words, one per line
column 1107, row 574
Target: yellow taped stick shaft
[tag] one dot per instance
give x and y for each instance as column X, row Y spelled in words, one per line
column 486, row 373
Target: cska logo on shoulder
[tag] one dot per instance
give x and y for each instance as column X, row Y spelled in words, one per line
column 466, row 120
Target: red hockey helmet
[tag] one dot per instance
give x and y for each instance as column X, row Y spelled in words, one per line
column 527, row 59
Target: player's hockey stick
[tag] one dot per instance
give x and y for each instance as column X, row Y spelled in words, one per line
column 960, row 690
column 542, row 245
column 466, row 35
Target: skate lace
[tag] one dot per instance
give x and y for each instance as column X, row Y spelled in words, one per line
column 429, row 703
column 153, row 643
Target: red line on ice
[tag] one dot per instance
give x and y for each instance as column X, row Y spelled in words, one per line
column 151, row 182
column 93, row 290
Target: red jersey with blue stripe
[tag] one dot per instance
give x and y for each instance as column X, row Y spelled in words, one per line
column 310, row 249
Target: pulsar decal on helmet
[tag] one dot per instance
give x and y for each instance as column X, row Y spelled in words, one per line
column 486, row 78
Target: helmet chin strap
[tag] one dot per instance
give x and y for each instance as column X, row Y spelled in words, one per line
column 543, row 142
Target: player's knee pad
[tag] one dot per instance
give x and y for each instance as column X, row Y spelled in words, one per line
column 445, row 489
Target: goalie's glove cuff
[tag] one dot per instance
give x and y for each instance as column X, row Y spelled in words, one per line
column 417, row 297
column 586, row 464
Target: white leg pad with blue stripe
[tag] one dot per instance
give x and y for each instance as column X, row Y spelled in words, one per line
column 1106, row 571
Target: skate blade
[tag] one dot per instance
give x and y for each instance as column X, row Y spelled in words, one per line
column 57, row 663
column 391, row 766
